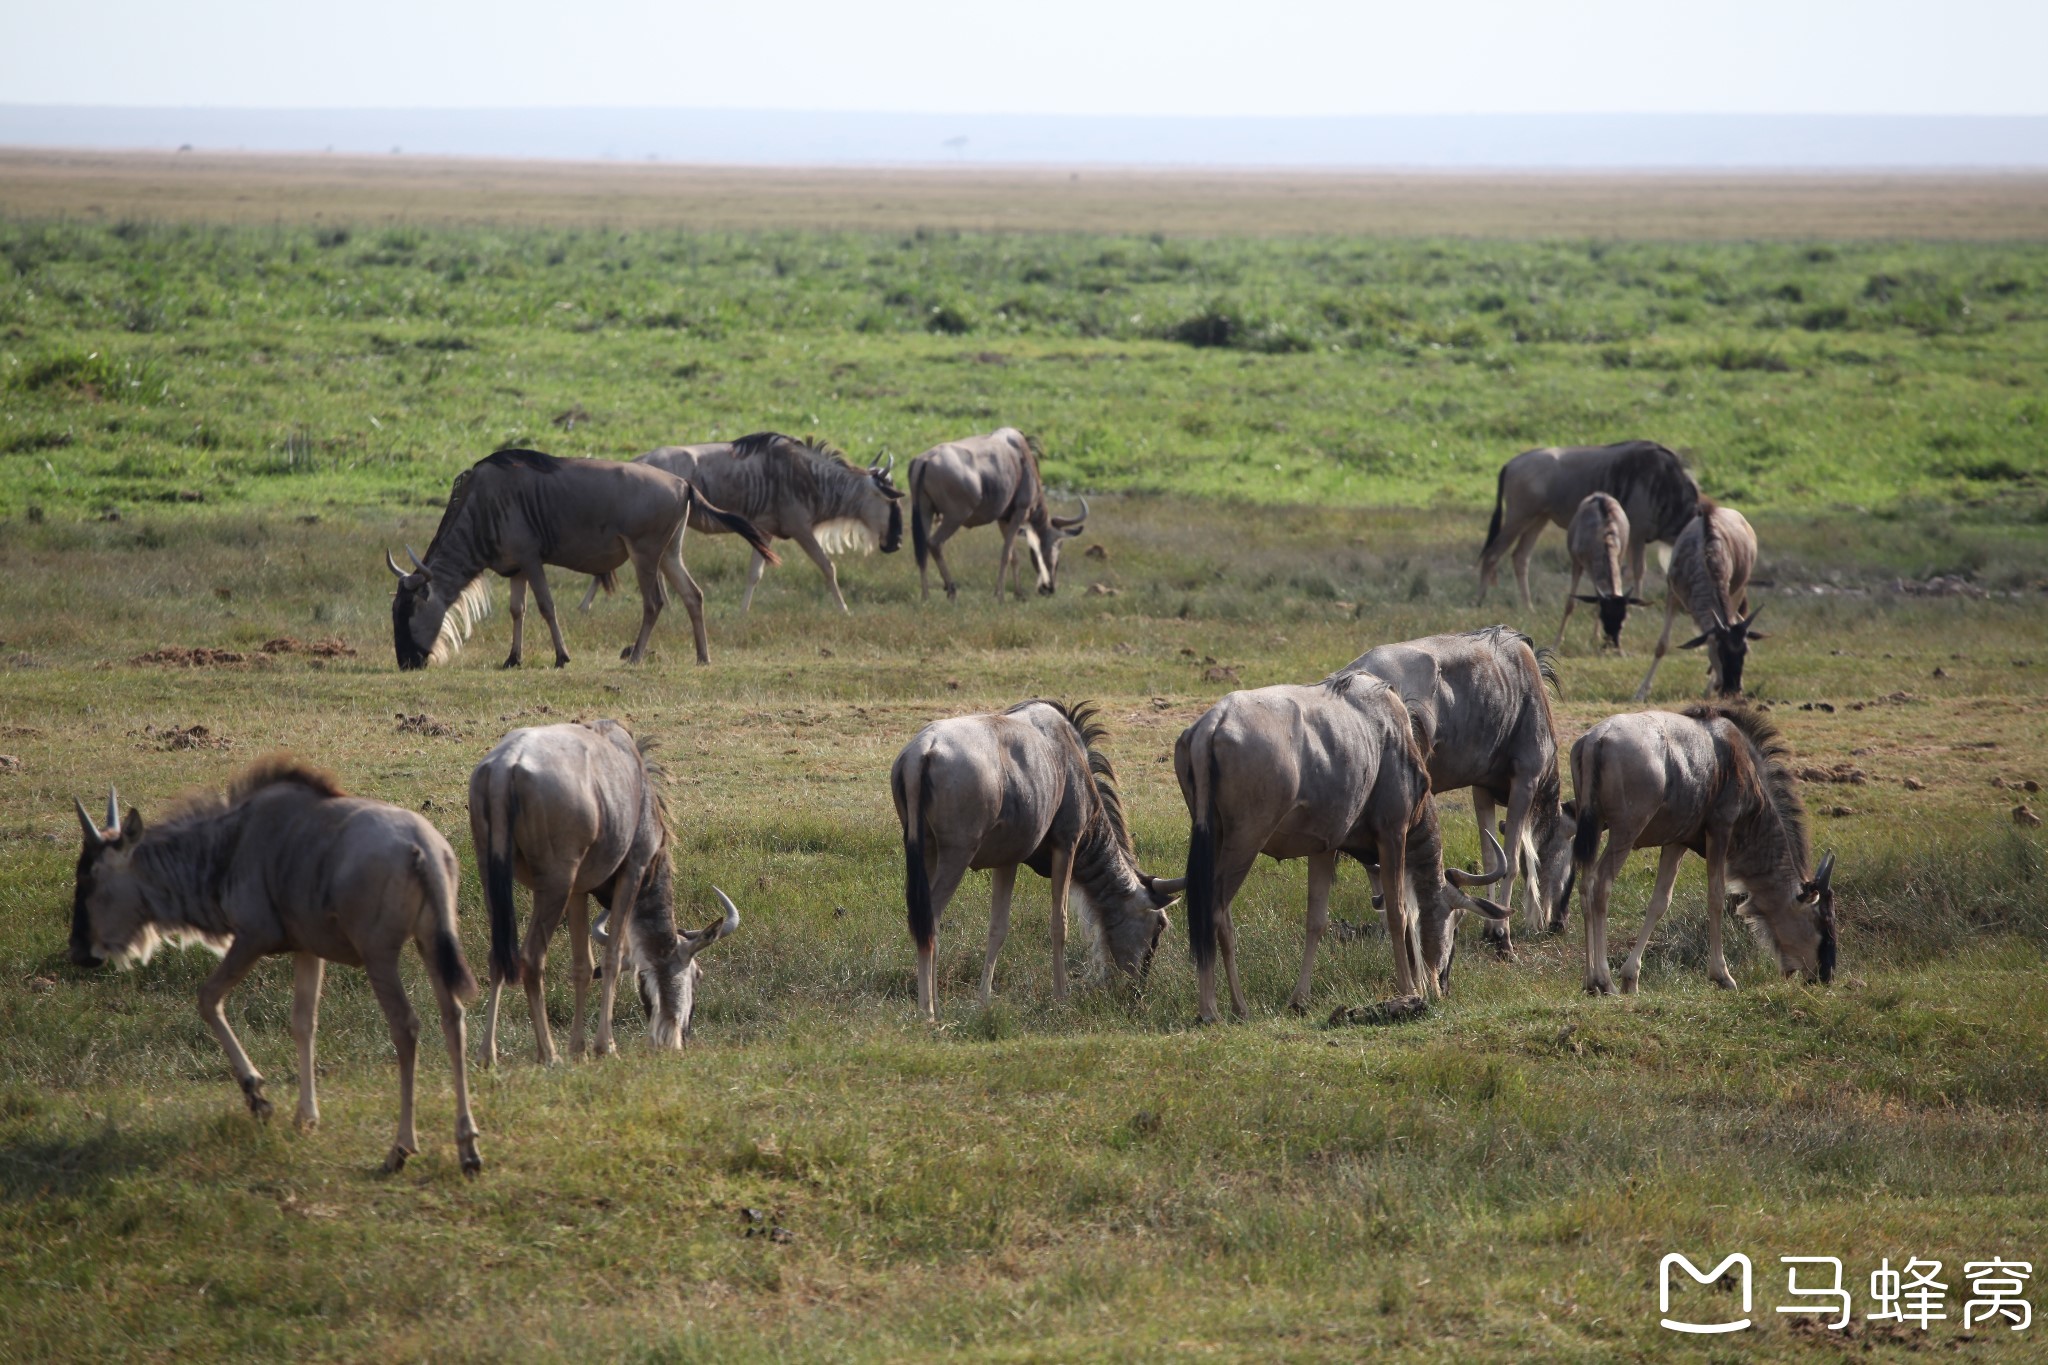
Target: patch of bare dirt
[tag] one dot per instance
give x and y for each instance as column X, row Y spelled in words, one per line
column 178, row 737
column 1843, row 774
column 1380, row 1012
column 178, row 656
column 333, row 647
column 424, row 724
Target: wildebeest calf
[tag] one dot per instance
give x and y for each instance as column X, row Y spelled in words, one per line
column 1598, row 538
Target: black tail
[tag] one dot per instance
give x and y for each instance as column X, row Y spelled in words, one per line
column 917, row 886
column 738, row 525
column 920, row 524
column 1500, row 486
column 607, row 582
column 1201, row 869
column 1586, row 836
column 452, row 968
column 498, row 885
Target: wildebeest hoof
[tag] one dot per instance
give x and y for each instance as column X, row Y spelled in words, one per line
column 1599, row 988
column 472, row 1163
column 1628, row 985
column 1504, row 949
column 394, row 1160
column 511, row 661
column 561, row 661
column 252, row 1091
column 1726, row 983
column 1557, row 927
column 305, row 1121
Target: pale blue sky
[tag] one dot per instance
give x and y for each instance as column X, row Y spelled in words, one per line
column 1040, row 56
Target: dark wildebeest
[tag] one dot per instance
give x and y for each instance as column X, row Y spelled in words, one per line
column 514, row 512
column 1482, row 717
column 1709, row 580
column 1312, row 772
column 573, row 811
column 1598, row 539
column 1712, row 779
column 286, row 864
column 980, row 480
column 1026, row 786
column 803, row 491
column 1540, row 487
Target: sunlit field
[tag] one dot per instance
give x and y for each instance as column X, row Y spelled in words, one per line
column 210, row 435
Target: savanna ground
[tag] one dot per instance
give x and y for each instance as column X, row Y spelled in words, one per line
column 211, row 432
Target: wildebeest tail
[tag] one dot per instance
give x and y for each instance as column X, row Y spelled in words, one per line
column 501, row 822
column 917, row 886
column 1500, row 493
column 444, row 959
column 1201, row 869
column 1586, row 786
column 737, row 524
column 920, row 520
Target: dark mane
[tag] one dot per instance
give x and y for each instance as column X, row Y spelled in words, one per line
column 1670, row 487
column 1093, row 857
column 272, row 769
column 774, row 442
column 1772, row 761
column 458, row 491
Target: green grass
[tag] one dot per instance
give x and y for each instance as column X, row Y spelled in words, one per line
column 1496, row 1181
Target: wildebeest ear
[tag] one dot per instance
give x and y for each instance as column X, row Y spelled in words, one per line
column 1588, row 597
column 1492, row 910
column 1570, row 808
column 131, row 826
column 1756, row 634
column 1696, row 641
column 1639, row 602
column 92, row 831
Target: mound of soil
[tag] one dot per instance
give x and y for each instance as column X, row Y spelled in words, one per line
column 424, row 724
column 178, row 656
column 331, row 648
column 174, row 737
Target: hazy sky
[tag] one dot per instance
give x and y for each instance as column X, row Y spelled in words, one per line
column 1041, row 56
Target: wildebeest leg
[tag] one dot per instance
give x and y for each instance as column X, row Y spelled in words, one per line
column 944, row 868
column 452, row 1034
column 1663, row 644
column 1660, row 899
column 1008, row 556
column 1515, row 849
column 1637, row 546
column 307, row 971
column 1403, row 930
column 545, row 600
column 1002, row 882
column 518, row 620
column 1489, row 558
column 808, row 541
column 1523, row 547
column 580, row 964
column 1233, row 865
column 242, row 955
column 686, row 588
column 1322, row 875
column 754, row 570
column 1717, row 896
column 625, row 892
column 940, row 535
column 1494, row 932
column 1594, row 906
column 1571, row 601
column 1062, row 881
column 405, row 1036
column 549, row 900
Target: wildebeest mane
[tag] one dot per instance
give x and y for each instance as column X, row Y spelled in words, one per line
column 272, row 769
column 1769, row 759
column 1104, row 849
column 1667, row 486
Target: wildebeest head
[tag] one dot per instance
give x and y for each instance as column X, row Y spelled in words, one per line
column 1440, row 903
column 1552, row 835
column 1799, row 925
column 1130, row 931
column 427, row 627
column 1044, row 533
column 1613, row 612
column 1729, row 650
column 667, row 973
column 108, row 920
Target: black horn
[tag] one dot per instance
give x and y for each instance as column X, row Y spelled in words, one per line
column 92, row 831
column 410, row 554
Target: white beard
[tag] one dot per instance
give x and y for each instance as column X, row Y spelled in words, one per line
column 844, row 534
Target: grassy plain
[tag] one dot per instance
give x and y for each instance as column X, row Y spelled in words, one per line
column 1497, row 1181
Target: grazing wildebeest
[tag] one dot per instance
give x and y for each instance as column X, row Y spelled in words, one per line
column 1482, row 716
column 1312, row 772
column 573, row 811
column 1709, row 579
column 980, row 480
column 1597, row 539
column 1712, row 779
column 285, row 863
column 518, row 510
column 1026, row 785
column 1544, row 486
column 803, row 491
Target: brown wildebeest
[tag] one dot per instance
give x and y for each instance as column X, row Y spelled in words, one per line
column 573, row 811
column 980, row 480
column 804, row 491
column 1598, row 538
column 1026, row 786
column 1709, row 579
column 1546, row 486
column 1312, row 772
column 1481, row 713
column 518, row 510
column 1712, row 779
column 286, row 864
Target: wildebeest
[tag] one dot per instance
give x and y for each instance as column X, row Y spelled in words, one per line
column 1598, row 538
column 573, row 811
column 1709, row 579
column 980, row 480
column 1478, row 704
column 803, row 491
column 517, row 510
column 285, row 863
column 1712, row 779
column 1544, row 486
column 1312, row 772
column 1026, row 785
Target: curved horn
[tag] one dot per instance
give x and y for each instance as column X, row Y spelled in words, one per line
column 1068, row 523
column 113, row 813
column 711, row 933
column 1827, row 870
column 1169, row 886
column 92, row 831
column 392, row 565
column 416, row 559
column 1462, row 879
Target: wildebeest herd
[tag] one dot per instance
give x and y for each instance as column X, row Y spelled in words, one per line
column 1348, row 765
